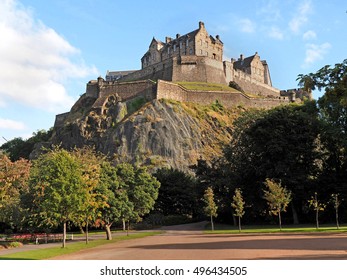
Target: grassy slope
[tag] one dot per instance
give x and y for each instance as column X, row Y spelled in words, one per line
column 206, row 86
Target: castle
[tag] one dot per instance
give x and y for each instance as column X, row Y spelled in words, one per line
column 195, row 57
column 198, row 57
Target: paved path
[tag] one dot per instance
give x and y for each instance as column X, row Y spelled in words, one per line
column 186, row 242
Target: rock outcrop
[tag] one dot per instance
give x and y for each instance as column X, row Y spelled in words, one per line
column 159, row 133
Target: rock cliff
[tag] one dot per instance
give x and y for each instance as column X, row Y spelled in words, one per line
column 158, row 133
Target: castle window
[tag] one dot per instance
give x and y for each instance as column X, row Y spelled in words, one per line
column 190, row 51
column 174, row 48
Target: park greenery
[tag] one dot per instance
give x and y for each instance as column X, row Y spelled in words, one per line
column 276, row 164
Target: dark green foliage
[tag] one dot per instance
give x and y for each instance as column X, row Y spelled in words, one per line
column 280, row 143
column 177, row 194
column 18, row 148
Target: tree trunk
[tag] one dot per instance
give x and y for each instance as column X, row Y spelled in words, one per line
column 337, row 218
column 212, row 226
column 317, row 222
column 234, row 218
column 64, row 235
column 124, row 228
column 81, row 229
column 87, row 232
column 279, row 220
column 295, row 215
column 239, row 224
column 108, row 232
column 128, row 225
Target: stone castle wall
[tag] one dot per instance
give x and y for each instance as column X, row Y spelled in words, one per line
column 173, row 91
column 251, row 85
column 196, row 68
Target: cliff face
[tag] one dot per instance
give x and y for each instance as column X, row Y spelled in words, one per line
column 158, row 133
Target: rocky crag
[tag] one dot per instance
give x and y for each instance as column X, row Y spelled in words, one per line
column 158, row 133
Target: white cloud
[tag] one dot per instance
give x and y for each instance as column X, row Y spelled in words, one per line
column 276, row 33
column 309, row 35
column 315, row 53
column 301, row 16
column 11, row 124
column 246, row 25
column 35, row 61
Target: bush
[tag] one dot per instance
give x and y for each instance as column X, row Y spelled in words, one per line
column 10, row 244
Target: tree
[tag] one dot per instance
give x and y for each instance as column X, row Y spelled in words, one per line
column 118, row 205
column 18, row 148
column 142, row 189
column 95, row 197
column 317, row 206
column 13, row 183
column 211, row 207
column 332, row 80
column 238, row 204
column 177, row 193
column 335, row 199
column 280, row 143
column 277, row 198
column 57, row 189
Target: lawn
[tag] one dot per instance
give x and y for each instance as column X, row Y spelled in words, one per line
column 41, row 254
column 227, row 229
column 206, row 86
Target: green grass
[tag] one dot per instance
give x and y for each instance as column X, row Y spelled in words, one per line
column 225, row 229
column 41, row 254
column 206, row 86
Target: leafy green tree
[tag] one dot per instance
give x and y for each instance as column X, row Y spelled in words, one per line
column 332, row 80
column 177, row 194
column 210, row 205
column 57, row 189
column 238, row 205
column 277, row 198
column 118, row 205
column 280, row 143
column 95, row 199
column 214, row 173
column 317, row 206
column 142, row 189
column 18, row 148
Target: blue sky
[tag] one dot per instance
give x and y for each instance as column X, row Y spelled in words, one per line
column 50, row 49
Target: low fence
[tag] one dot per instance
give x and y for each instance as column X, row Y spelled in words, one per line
column 37, row 238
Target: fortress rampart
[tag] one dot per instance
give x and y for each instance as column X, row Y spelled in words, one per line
column 173, row 91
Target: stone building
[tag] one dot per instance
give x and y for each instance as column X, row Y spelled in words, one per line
column 198, row 57
column 197, row 42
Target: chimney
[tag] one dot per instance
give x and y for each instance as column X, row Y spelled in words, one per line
column 177, row 36
column 168, row 40
column 217, row 37
column 241, row 57
column 201, row 24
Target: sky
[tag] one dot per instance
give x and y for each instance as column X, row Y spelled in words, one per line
column 49, row 50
